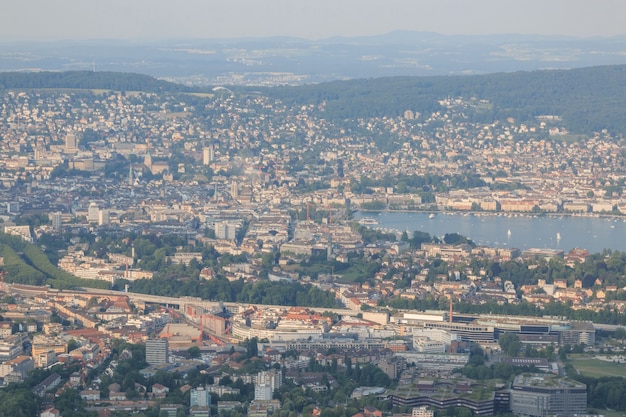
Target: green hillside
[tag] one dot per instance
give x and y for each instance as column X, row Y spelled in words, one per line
column 25, row 263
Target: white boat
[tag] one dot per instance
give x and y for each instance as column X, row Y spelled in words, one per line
column 558, row 236
column 431, row 216
column 368, row 221
column 508, row 233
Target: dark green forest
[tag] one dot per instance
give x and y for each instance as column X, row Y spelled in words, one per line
column 115, row 81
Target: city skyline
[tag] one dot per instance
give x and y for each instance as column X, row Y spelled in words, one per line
column 37, row 20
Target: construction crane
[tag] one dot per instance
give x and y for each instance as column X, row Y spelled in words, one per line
column 308, row 204
column 450, row 295
column 201, row 329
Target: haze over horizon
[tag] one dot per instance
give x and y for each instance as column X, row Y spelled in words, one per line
column 144, row 20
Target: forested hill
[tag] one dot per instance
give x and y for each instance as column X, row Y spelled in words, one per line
column 116, row 81
column 588, row 99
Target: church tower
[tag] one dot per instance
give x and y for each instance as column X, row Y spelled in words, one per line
column 147, row 161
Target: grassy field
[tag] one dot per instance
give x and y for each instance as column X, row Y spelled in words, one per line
column 610, row 413
column 596, row 368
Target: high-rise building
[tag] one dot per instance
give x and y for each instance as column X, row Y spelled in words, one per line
column 93, row 213
column 156, row 351
column 208, row 154
column 71, row 143
column 104, row 217
column 57, row 220
column 199, row 401
column 272, row 377
column 263, row 392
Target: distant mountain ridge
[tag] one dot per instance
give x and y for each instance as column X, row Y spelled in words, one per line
column 271, row 61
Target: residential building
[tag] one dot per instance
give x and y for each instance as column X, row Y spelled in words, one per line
column 156, row 351
column 18, row 366
column 263, row 392
column 200, row 397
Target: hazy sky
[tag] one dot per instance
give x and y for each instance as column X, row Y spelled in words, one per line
column 313, row 19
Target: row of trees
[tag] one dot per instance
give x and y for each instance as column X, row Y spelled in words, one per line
column 261, row 292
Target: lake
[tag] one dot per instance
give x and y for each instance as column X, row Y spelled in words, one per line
column 518, row 231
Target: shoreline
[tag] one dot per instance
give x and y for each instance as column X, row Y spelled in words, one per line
column 498, row 213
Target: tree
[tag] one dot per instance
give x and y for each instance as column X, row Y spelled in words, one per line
column 194, row 352
column 456, row 239
column 503, row 371
column 72, row 344
column 70, row 404
column 510, row 344
column 18, row 402
column 619, row 333
column 252, row 347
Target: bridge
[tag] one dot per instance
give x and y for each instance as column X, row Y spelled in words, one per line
column 182, row 302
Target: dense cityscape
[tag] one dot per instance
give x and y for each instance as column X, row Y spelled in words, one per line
column 195, row 254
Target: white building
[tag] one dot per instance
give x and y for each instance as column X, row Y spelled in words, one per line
column 104, row 217
column 273, row 378
column 93, row 213
column 156, row 351
column 225, row 230
column 200, row 397
column 263, row 392
column 208, row 155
